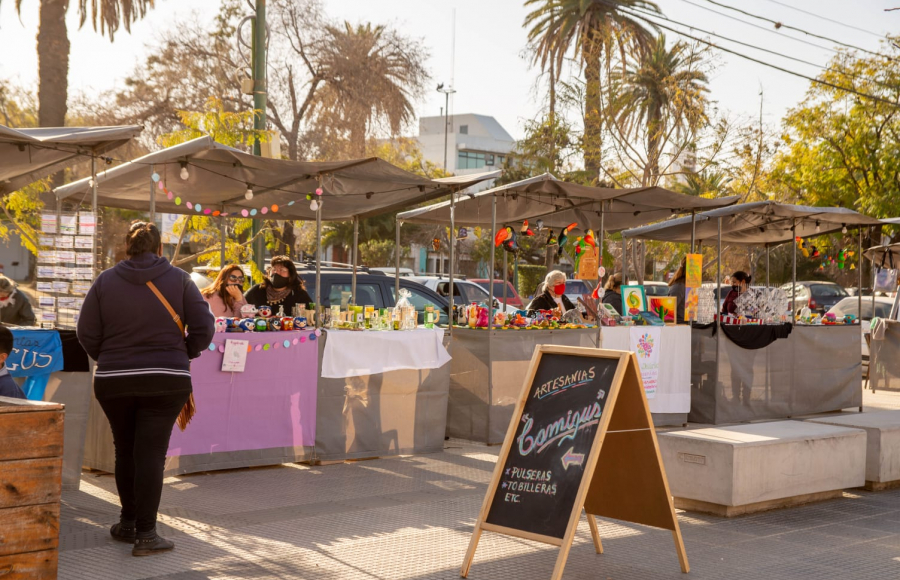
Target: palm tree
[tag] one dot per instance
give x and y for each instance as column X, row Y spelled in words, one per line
column 53, row 45
column 373, row 75
column 707, row 183
column 664, row 91
column 589, row 27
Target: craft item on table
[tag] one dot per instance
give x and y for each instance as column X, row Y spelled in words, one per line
column 299, row 323
column 524, row 230
column 564, row 237
column 482, row 320
column 248, row 311
column 436, row 244
column 221, row 324
column 261, row 325
column 664, row 307
column 264, row 311
column 829, row 318
column 247, row 324
column 274, row 324
column 610, row 311
column 462, row 234
column 633, row 299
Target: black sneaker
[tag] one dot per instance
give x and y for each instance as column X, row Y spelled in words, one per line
column 149, row 543
column 123, row 532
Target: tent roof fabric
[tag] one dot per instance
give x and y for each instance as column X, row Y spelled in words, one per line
column 884, row 254
column 756, row 223
column 27, row 155
column 558, row 203
column 219, row 176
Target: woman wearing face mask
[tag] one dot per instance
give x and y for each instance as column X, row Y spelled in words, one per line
column 226, row 295
column 283, row 288
column 740, row 283
column 15, row 308
column 554, row 295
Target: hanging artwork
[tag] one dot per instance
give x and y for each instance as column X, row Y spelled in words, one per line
column 693, row 270
column 691, row 304
column 665, row 307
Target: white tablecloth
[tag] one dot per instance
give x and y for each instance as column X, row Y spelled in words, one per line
column 350, row 353
column 673, row 390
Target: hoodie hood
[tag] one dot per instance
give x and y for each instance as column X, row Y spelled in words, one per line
column 142, row 268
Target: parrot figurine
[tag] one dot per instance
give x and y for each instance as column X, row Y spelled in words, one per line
column 510, row 244
column 564, row 237
column 462, row 234
column 503, row 235
column 539, row 225
column 525, row 231
column 551, row 239
column 436, row 244
column 589, row 239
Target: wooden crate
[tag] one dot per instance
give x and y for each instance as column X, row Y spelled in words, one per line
column 30, row 484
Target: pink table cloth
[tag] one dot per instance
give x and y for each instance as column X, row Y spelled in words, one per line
column 271, row 404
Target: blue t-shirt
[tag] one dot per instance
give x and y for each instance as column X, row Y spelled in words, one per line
column 8, row 387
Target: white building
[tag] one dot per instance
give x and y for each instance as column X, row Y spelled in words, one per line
column 475, row 143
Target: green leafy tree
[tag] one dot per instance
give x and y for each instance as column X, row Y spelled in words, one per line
column 592, row 29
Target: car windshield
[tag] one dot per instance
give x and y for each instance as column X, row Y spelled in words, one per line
column 851, row 306
column 828, row 291
column 656, row 290
column 577, row 287
column 498, row 288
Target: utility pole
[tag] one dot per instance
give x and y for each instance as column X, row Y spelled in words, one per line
column 447, row 92
column 259, row 106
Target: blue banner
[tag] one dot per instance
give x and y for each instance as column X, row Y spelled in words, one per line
column 35, row 354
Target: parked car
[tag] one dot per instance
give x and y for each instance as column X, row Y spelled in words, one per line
column 818, row 296
column 655, row 288
column 512, row 297
column 464, row 291
column 575, row 289
column 404, row 272
column 850, row 305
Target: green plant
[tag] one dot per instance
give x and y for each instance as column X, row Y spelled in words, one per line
column 529, row 278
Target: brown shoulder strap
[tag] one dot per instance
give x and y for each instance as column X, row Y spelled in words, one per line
column 168, row 306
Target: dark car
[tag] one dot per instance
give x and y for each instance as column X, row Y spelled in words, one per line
column 512, row 297
column 818, row 296
column 373, row 289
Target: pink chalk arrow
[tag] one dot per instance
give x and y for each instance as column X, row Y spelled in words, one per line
column 571, row 458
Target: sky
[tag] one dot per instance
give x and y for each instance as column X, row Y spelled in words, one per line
column 487, row 67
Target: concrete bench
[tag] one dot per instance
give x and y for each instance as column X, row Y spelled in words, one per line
column 882, row 444
column 730, row 471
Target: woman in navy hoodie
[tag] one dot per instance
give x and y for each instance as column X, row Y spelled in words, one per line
column 143, row 376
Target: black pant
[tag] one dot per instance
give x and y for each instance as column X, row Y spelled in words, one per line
column 141, row 428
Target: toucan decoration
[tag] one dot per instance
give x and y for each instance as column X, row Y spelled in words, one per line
column 564, row 237
column 524, row 230
column 507, row 238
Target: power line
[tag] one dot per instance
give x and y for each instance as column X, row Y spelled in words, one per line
column 825, row 18
column 789, row 27
column 776, row 53
column 770, row 65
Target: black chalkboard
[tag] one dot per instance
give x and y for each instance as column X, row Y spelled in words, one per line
column 539, row 483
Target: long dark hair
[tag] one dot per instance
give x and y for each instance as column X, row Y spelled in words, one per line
column 295, row 282
column 218, row 287
column 680, row 273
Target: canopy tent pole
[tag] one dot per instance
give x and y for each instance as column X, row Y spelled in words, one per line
column 491, row 269
column 624, row 259
column 452, row 239
column 505, row 280
column 355, row 257
column 152, row 197
column 397, row 261
column 693, row 228
column 718, row 318
column 222, row 227
column 859, row 291
column 794, row 266
column 767, row 265
column 319, row 261
column 873, row 280
column 96, row 217
column 599, row 277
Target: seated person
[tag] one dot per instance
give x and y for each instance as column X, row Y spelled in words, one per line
column 282, row 288
column 554, row 294
column 613, row 294
column 8, row 387
column 15, row 308
column 740, row 283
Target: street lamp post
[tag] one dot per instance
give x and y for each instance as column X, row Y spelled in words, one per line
column 447, row 92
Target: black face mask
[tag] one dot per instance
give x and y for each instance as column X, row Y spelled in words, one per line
column 279, row 281
column 736, row 288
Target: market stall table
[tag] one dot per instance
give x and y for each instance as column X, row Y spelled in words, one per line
column 381, row 393
column 815, row 369
column 670, row 401
column 265, row 415
column 487, row 373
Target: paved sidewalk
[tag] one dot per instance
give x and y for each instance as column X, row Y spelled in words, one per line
column 411, row 518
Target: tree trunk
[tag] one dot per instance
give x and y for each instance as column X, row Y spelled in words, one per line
column 358, row 137
column 552, row 115
column 593, row 123
column 651, row 172
column 53, row 67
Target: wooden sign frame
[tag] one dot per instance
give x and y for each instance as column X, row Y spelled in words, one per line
column 633, row 485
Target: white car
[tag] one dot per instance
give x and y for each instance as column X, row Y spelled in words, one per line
column 464, row 292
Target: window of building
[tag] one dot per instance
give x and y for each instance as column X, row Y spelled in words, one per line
column 470, row 160
column 463, row 129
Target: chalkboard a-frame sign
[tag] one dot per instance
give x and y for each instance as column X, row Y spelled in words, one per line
column 581, row 437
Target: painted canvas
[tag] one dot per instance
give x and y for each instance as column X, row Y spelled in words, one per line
column 691, row 304
column 665, row 307
column 634, row 299
column 693, row 270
